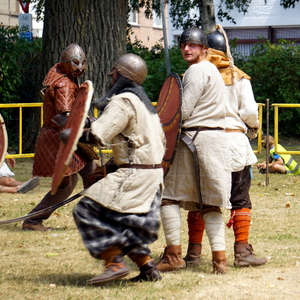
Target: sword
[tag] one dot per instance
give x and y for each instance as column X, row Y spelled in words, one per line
column 37, row 213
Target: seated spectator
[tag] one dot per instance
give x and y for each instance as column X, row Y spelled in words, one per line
column 10, row 185
column 278, row 163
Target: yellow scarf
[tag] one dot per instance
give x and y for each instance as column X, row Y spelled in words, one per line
column 221, row 61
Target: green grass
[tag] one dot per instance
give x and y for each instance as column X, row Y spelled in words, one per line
column 55, row 265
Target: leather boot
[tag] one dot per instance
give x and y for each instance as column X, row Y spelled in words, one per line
column 171, row 259
column 193, row 254
column 148, row 272
column 219, row 262
column 113, row 270
column 244, row 256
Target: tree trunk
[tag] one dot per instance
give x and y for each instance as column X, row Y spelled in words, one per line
column 98, row 26
column 207, row 15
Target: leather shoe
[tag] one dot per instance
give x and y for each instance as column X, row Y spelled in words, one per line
column 36, row 227
column 148, row 273
column 113, row 270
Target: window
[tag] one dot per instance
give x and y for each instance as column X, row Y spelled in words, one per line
column 157, row 20
column 133, row 18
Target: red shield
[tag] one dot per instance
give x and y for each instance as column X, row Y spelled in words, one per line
column 75, row 122
column 3, row 141
column 169, row 110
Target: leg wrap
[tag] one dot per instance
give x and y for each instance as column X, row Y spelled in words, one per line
column 140, row 260
column 241, row 224
column 215, row 230
column 195, row 227
column 171, row 222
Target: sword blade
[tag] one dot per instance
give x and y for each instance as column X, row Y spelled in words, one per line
column 37, row 213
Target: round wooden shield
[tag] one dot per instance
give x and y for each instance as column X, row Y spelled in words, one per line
column 169, row 110
column 75, row 122
column 3, row 140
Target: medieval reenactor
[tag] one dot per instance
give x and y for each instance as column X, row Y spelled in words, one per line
column 199, row 178
column 119, row 214
column 241, row 118
column 62, row 86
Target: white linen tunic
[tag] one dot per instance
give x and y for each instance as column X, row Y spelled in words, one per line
column 242, row 110
column 136, row 137
column 203, row 105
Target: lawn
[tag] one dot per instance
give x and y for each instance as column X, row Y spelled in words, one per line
column 55, row 265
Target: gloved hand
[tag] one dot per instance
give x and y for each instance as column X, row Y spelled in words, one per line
column 61, row 119
column 86, row 138
column 88, row 121
column 64, row 135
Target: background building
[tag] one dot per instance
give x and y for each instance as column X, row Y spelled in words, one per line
column 9, row 16
column 9, row 11
column 270, row 21
column 148, row 31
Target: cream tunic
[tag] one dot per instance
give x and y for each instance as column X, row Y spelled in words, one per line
column 242, row 110
column 203, row 105
column 126, row 120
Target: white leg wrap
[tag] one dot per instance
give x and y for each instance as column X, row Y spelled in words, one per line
column 215, row 230
column 171, row 222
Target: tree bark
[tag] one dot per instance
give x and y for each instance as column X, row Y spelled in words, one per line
column 207, row 15
column 98, row 26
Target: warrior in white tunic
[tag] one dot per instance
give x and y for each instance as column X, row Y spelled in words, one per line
column 203, row 115
column 241, row 117
column 119, row 214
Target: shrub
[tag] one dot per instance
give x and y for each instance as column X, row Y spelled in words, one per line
column 275, row 73
column 19, row 67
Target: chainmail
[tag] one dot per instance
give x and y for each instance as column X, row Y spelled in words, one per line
column 122, row 85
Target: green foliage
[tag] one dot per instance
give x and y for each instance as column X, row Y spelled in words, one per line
column 275, row 73
column 19, row 67
column 155, row 59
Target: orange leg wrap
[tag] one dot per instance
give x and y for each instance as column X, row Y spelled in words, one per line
column 241, row 219
column 195, row 227
column 110, row 253
column 139, row 259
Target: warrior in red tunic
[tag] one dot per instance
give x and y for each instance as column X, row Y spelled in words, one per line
column 62, row 86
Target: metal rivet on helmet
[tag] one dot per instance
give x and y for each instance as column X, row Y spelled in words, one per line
column 133, row 67
column 193, row 35
column 216, row 40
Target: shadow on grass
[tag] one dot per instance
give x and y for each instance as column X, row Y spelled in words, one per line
column 78, row 280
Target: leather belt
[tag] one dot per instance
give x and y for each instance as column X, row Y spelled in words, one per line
column 234, row 130
column 140, row 166
column 201, row 128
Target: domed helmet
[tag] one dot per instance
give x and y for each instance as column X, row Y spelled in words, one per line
column 133, row 67
column 217, row 41
column 73, row 56
column 193, row 35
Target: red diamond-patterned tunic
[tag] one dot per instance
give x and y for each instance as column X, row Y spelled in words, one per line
column 59, row 97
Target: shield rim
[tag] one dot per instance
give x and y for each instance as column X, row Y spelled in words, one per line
column 62, row 167
column 178, row 81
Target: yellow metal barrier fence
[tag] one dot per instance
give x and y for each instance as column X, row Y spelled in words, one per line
column 21, row 106
column 259, row 136
column 276, row 107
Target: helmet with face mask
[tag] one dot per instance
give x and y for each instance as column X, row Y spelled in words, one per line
column 193, row 36
column 133, row 67
column 74, row 61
